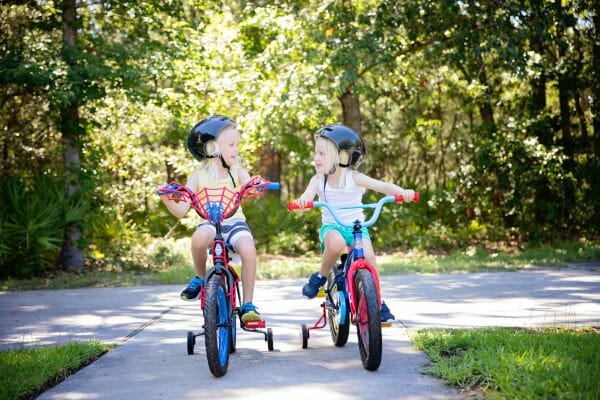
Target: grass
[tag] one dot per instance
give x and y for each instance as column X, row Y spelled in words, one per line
column 508, row 363
column 27, row 372
column 176, row 267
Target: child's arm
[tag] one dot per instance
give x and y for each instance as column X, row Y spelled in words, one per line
column 179, row 209
column 243, row 175
column 309, row 193
column 387, row 188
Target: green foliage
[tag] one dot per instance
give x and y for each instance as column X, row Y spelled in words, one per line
column 297, row 233
column 558, row 363
column 460, row 101
column 33, row 216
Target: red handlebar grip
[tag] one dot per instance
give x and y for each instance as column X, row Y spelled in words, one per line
column 400, row 198
column 293, row 206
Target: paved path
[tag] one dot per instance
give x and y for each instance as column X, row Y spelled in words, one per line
column 150, row 324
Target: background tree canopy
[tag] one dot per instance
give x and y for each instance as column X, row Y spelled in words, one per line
column 490, row 109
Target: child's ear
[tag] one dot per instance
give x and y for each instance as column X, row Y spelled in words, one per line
column 354, row 157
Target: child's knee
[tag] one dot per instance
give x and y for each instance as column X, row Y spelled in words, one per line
column 244, row 246
column 201, row 239
column 334, row 243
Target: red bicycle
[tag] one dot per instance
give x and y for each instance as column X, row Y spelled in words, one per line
column 220, row 294
column 352, row 291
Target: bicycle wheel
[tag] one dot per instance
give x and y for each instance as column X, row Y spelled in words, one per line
column 217, row 325
column 368, row 320
column 338, row 313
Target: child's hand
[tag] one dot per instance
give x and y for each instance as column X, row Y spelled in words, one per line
column 408, row 195
column 300, row 205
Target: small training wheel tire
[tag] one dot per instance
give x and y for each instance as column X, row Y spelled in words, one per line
column 304, row 336
column 191, row 341
column 270, row 339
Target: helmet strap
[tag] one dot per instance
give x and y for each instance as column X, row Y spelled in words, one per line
column 228, row 169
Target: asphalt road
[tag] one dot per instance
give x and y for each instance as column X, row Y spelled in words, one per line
column 150, row 324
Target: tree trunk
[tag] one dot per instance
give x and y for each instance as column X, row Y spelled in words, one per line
column 565, row 116
column 595, row 178
column 71, row 256
column 351, row 110
column 485, row 106
column 270, row 163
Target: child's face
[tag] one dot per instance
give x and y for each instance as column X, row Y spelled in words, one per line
column 320, row 157
column 229, row 140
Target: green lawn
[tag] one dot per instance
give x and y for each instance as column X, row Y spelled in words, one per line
column 26, row 372
column 504, row 363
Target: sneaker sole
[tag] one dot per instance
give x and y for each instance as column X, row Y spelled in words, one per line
column 250, row 316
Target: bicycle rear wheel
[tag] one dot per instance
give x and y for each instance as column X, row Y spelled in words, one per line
column 368, row 320
column 217, row 325
column 338, row 313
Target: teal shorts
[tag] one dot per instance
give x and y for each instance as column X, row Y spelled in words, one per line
column 345, row 232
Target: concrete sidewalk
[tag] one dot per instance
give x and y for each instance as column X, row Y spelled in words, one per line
column 150, row 324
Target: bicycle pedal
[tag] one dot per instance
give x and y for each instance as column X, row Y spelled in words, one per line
column 321, row 292
column 255, row 324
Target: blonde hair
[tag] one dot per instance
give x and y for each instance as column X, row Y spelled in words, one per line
column 333, row 159
column 211, row 163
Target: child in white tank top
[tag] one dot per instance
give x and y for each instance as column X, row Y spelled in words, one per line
column 339, row 150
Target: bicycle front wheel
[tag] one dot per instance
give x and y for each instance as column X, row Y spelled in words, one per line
column 217, row 325
column 338, row 312
column 368, row 320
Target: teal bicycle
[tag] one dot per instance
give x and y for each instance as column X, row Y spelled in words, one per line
column 352, row 291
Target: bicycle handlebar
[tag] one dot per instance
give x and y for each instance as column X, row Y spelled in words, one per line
column 292, row 206
column 216, row 204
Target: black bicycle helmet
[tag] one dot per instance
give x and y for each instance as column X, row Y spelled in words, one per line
column 204, row 131
column 346, row 138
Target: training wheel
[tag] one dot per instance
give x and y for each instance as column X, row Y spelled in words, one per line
column 191, row 341
column 305, row 336
column 270, row 339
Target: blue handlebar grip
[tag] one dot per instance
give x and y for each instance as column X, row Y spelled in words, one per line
column 273, row 185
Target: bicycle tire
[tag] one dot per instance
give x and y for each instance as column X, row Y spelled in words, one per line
column 232, row 332
column 338, row 313
column 217, row 325
column 368, row 320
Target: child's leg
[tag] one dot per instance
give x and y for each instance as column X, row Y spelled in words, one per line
column 244, row 246
column 369, row 253
column 201, row 241
column 334, row 244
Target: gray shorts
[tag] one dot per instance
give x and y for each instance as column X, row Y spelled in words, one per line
column 232, row 230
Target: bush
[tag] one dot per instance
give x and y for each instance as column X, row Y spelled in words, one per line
column 33, row 216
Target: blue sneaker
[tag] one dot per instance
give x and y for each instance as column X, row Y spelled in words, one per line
column 193, row 289
column 386, row 314
column 311, row 289
column 249, row 312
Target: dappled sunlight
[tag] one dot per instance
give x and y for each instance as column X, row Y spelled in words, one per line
column 76, row 396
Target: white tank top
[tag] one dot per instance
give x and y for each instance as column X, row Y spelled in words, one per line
column 350, row 195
